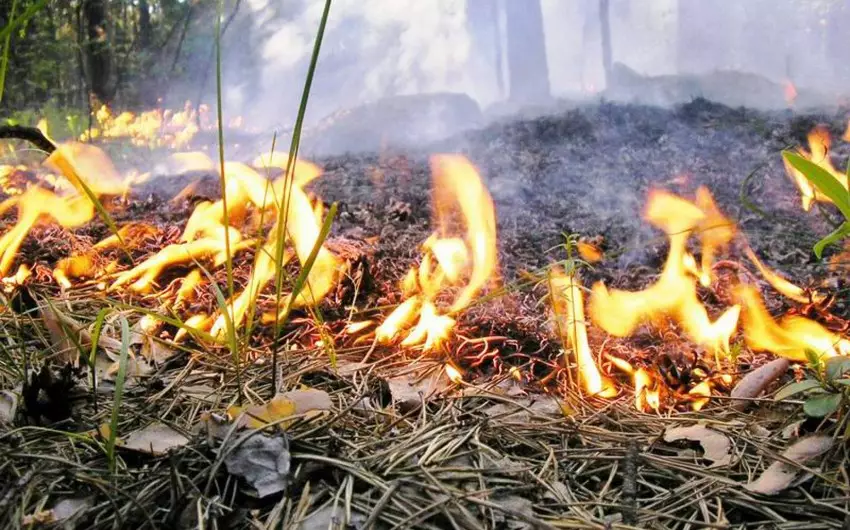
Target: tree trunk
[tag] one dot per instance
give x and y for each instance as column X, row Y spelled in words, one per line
column 605, row 36
column 528, row 72
column 145, row 29
column 98, row 52
column 482, row 18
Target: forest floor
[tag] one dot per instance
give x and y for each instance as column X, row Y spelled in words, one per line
column 380, row 438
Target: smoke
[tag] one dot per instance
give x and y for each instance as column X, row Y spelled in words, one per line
column 379, row 48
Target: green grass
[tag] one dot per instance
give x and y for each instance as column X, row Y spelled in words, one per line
column 119, row 394
column 7, row 40
column 288, row 183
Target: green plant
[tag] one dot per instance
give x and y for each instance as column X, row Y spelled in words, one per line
column 120, row 377
column 826, row 388
column 831, row 188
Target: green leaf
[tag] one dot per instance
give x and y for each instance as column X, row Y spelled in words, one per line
column 815, row 360
column 822, row 406
column 834, row 237
column 796, row 388
column 823, row 180
column 836, row 367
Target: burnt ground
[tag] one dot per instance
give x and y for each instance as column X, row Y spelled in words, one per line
column 586, row 171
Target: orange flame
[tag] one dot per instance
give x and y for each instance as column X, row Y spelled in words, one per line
column 790, row 92
column 568, row 306
column 448, row 260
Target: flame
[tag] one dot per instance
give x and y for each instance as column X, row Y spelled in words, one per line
column 790, row 92
column 449, row 259
column 647, row 393
column 791, row 337
column 454, row 374
column 702, row 395
column 157, row 128
column 568, row 306
column 783, row 286
column 674, row 295
column 819, row 144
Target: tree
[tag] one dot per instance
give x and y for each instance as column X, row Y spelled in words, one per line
column 528, row 73
column 483, row 20
column 98, row 52
column 605, row 36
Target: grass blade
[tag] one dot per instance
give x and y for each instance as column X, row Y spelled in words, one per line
column 289, row 179
column 119, row 393
column 222, row 180
column 95, row 338
column 823, row 180
column 7, row 41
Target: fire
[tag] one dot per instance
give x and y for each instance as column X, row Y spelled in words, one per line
column 568, row 306
column 449, row 260
column 819, row 144
column 790, row 92
column 674, row 295
column 791, row 337
column 156, row 127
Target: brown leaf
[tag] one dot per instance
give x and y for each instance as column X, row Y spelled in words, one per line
column 409, row 392
column 155, row 350
column 779, row 475
column 155, row 439
column 754, row 383
column 60, row 341
column 717, row 446
column 283, row 406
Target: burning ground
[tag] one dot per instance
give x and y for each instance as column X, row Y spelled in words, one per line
column 685, row 214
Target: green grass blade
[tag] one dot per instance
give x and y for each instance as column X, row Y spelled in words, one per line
column 222, row 180
column 289, row 179
column 119, row 393
column 823, row 180
column 95, row 338
column 833, row 238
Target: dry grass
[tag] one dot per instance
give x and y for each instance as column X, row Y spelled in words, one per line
column 474, row 456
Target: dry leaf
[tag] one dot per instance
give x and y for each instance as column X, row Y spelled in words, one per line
column 8, row 406
column 155, row 439
column 408, row 392
column 61, row 511
column 754, row 383
column 263, row 461
column 59, row 328
column 528, row 409
column 155, row 350
column 513, row 507
column 282, row 406
column 780, row 475
column 333, row 518
column 716, row 446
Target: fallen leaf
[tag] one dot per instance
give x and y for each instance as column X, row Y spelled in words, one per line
column 8, row 406
column 155, row 350
column 332, row 517
column 61, row 511
column 716, row 446
column 528, row 409
column 281, row 407
column 779, row 475
column 757, row 381
column 409, row 393
column 263, row 461
column 514, row 506
column 155, row 439
column 59, row 330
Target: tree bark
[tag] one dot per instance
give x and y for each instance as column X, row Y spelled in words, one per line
column 145, row 29
column 528, row 72
column 605, row 36
column 98, row 53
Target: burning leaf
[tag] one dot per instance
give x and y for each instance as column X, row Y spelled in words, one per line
column 61, row 511
column 263, row 461
column 779, row 475
column 716, row 446
column 589, row 252
column 155, row 439
column 282, row 407
column 755, row 382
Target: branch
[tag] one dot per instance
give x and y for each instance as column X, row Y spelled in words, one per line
column 29, row 134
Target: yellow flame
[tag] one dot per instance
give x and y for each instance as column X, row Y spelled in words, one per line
column 783, row 286
column 791, row 337
column 674, row 294
column 647, row 395
column 449, row 259
column 819, row 144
